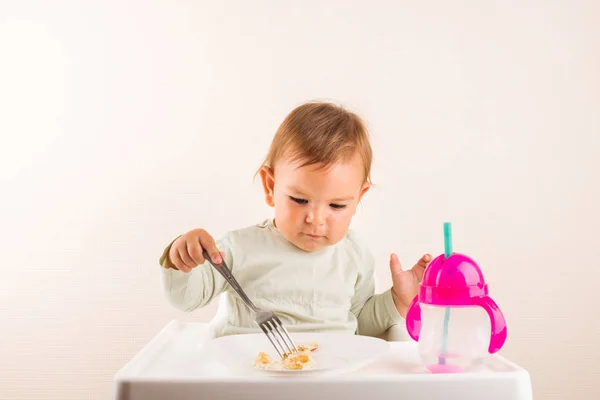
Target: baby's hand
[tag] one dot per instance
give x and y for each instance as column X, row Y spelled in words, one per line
column 406, row 283
column 186, row 252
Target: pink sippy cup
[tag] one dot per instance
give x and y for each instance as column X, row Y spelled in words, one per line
column 454, row 320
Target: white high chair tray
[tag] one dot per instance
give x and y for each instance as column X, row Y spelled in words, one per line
column 184, row 361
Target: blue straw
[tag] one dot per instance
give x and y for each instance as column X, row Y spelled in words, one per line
column 447, row 253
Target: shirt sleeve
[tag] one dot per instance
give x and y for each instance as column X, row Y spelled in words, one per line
column 375, row 313
column 189, row 291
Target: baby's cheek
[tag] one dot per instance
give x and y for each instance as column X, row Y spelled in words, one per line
column 342, row 222
column 289, row 214
column 281, row 208
column 332, row 231
column 290, row 219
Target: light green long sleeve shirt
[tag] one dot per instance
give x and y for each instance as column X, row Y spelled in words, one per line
column 331, row 289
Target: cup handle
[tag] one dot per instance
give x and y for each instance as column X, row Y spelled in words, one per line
column 498, row 324
column 413, row 319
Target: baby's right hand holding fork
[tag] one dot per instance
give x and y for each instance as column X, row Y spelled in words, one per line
column 186, row 251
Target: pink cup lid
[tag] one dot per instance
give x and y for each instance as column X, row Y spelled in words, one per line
column 456, row 280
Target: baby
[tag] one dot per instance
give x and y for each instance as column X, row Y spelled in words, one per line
column 305, row 264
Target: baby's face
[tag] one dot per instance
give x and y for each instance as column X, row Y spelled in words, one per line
column 314, row 206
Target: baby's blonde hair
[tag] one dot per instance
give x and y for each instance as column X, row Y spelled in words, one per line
column 321, row 133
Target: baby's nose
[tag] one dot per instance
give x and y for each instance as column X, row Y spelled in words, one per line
column 316, row 218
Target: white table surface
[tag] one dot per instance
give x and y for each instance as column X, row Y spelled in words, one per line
column 167, row 369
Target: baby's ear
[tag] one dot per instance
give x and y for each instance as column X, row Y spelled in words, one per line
column 364, row 189
column 268, row 181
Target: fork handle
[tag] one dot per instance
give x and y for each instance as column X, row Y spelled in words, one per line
column 224, row 270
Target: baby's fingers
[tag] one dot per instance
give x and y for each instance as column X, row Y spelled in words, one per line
column 208, row 244
column 175, row 257
column 424, row 261
column 214, row 254
column 419, row 268
column 195, row 251
column 185, row 256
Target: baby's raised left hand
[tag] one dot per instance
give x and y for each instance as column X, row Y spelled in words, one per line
column 406, row 283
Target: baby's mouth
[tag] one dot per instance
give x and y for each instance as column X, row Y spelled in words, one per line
column 314, row 236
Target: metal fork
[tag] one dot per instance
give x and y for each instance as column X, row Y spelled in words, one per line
column 268, row 321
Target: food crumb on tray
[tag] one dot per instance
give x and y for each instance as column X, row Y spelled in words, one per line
column 296, row 361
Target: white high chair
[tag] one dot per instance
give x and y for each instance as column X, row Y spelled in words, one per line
column 393, row 334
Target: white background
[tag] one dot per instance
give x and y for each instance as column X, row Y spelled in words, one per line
column 126, row 123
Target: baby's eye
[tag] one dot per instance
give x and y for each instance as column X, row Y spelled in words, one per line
column 337, row 206
column 299, row 201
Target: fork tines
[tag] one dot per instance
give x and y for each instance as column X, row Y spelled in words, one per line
column 274, row 329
